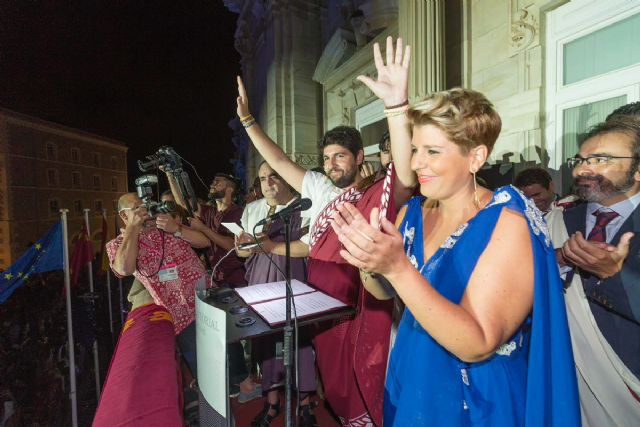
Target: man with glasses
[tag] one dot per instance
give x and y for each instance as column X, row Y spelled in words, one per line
column 143, row 383
column 603, row 287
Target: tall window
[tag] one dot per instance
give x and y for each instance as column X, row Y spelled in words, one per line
column 75, row 179
column 114, row 163
column 54, row 206
column 75, row 155
column 114, row 183
column 97, row 206
column 77, row 207
column 51, row 151
column 96, row 160
column 96, row 182
column 52, row 177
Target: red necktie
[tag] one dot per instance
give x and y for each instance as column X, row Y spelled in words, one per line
column 599, row 231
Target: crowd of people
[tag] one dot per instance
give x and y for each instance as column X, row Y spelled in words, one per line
column 34, row 357
column 446, row 331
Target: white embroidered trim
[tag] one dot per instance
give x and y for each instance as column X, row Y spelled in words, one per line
column 363, row 420
column 506, row 349
column 536, row 219
column 408, row 234
column 501, row 197
column 465, row 376
column 413, row 261
column 451, row 240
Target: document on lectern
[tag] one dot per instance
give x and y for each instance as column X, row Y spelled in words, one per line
column 271, row 291
column 315, row 302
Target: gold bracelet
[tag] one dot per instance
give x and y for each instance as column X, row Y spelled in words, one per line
column 395, row 114
column 401, row 109
column 242, row 119
column 248, row 123
column 402, row 104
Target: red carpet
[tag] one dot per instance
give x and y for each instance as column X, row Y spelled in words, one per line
column 244, row 413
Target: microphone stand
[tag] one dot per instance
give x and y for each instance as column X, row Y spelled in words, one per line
column 288, row 329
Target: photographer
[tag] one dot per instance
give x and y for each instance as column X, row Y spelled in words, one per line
column 159, row 254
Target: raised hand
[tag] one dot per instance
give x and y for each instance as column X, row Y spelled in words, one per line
column 242, row 100
column 393, row 77
column 367, row 169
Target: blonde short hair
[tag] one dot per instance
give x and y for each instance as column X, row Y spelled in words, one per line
column 465, row 116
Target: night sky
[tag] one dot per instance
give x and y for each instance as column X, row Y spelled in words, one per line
column 145, row 73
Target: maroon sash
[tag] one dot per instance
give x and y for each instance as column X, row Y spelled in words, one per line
column 352, row 354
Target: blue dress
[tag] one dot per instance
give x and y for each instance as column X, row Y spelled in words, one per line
column 530, row 380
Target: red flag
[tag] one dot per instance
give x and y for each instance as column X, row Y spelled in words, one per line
column 82, row 254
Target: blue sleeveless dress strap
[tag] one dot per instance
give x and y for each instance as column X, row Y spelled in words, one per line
column 530, row 380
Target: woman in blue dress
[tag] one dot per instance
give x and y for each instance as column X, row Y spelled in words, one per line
column 484, row 339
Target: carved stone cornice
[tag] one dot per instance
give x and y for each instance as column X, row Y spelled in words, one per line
column 339, row 48
column 306, row 160
column 378, row 15
column 525, row 28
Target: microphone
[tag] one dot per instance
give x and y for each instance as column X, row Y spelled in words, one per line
column 297, row 206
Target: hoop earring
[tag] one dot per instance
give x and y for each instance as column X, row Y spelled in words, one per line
column 476, row 200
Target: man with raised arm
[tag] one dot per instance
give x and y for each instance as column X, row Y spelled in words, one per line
column 266, row 264
column 209, row 221
column 351, row 354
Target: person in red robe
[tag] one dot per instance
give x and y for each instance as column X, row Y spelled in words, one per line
column 351, row 353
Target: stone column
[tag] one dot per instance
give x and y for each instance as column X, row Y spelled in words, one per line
column 421, row 25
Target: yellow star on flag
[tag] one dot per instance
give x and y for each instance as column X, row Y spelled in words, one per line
column 8, row 276
column 38, row 246
column 20, row 274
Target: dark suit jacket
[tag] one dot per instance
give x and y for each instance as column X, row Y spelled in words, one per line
column 615, row 302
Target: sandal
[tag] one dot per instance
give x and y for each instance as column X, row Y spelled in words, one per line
column 308, row 418
column 263, row 419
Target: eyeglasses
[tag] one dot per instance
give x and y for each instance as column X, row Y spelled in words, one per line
column 132, row 209
column 574, row 162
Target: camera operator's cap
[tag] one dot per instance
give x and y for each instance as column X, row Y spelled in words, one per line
column 227, row 176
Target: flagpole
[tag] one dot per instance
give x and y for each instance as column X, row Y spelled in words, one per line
column 117, row 232
column 104, row 215
column 96, row 360
column 67, row 288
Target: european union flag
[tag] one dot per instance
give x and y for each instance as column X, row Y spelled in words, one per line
column 44, row 255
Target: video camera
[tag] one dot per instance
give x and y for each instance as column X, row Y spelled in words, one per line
column 144, row 186
column 167, row 158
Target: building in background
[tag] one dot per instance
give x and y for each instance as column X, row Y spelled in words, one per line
column 551, row 67
column 45, row 167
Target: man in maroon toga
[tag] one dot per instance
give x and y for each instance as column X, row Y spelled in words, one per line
column 352, row 353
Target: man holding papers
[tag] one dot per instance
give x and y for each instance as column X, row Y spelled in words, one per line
column 261, row 269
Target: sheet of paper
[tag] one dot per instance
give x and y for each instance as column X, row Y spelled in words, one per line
column 316, row 302
column 233, row 227
column 272, row 290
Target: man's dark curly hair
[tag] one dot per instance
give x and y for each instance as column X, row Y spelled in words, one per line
column 344, row 136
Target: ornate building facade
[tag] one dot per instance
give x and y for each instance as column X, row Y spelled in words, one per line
column 534, row 59
column 45, row 167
